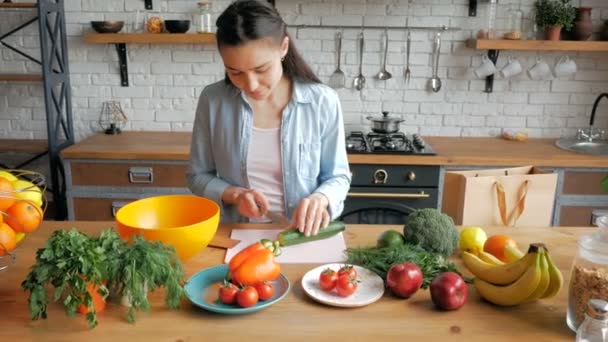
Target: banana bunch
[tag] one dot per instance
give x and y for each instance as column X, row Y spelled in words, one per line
column 528, row 278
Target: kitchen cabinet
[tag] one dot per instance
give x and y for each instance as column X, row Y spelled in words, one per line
column 579, row 194
column 104, row 172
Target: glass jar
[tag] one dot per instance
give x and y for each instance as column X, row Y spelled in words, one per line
column 489, row 32
column 589, row 274
column 595, row 326
column 202, row 18
column 515, row 19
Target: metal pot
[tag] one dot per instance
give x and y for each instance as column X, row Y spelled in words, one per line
column 385, row 123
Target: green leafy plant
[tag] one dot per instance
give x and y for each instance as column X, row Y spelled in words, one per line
column 70, row 259
column 554, row 13
column 145, row 266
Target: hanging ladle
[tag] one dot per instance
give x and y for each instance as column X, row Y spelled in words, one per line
column 435, row 80
column 359, row 81
column 383, row 74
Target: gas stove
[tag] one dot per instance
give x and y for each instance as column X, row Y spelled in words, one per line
column 387, row 143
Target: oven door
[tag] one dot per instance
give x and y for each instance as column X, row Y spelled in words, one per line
column 373, row 205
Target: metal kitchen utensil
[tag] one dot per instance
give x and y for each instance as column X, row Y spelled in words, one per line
column 435, row 81
column 337, row 79
column 277, row 218
column 407, row 73
column 383, row 74
column 359, row 81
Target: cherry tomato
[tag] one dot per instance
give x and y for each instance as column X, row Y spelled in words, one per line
column 346, row 285
column 328, row 279
column 348, row 269
column 227, row 293
column 247, row 297
column 265, row 290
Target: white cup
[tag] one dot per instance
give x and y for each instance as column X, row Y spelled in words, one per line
column 486, row 68
column 513, row 68
column 540, row 70
column 564, row 67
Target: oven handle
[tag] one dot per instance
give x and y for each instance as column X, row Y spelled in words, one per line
column 421, row 194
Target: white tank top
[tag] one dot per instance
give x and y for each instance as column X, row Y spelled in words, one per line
column 264, row 169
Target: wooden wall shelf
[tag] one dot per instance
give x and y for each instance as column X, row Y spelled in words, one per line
column 537, row 45
column 150, row 38
column 21, row 77
column 18, row 4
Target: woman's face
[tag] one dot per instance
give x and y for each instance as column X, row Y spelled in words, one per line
column 255, row 67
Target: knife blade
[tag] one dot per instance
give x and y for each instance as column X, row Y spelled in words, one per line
column 277, row 218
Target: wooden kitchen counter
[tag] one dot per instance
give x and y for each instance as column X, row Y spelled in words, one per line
column 297, row 317
column 450, row 151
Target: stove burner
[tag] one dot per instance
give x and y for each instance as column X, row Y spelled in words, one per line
column 396, row 143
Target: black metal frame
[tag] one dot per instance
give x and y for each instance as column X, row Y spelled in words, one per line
column 493, row 56
column 472, row 8
column 57, row 93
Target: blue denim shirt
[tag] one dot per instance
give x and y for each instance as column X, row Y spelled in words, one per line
column 313, row 148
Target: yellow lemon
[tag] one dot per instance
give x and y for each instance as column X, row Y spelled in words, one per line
column 472, row 239
column 9, row 176
column 19, row 236
column 28, row 191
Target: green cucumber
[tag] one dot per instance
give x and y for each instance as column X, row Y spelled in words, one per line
column 294, row 236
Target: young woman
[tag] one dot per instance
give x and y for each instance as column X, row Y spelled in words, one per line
column 270, row 137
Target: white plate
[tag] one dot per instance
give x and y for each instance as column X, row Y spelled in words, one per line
column 369, row 289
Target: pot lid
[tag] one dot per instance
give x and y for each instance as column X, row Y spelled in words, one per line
column 385, row 118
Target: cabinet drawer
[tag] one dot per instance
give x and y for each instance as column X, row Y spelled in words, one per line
column 98, row 209
column 577, row 216
column 583, row 183
column 128, row 175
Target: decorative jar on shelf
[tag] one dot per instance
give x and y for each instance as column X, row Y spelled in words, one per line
column 582, row 28
column 202, row 17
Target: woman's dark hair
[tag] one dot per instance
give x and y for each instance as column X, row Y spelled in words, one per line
column 247, row 20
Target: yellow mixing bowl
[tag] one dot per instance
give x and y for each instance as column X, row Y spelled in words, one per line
column 186, row 222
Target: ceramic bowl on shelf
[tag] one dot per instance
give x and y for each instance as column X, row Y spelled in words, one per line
column 107, row 26
column 177, row 26
column 186, row 222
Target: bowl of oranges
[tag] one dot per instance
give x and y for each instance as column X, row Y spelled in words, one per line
column 22, row 209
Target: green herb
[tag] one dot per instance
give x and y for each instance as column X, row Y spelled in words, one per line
column 554, row 13
column 68, row 261
column 71, row 259
column 146, row 266
column 380, row 260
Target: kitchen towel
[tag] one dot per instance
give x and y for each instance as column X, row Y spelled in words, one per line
column 320, row 251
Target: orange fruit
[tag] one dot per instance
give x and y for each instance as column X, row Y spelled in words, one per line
column 8, row 240
column 7, row 195
column 495, row 245
column 23, row 216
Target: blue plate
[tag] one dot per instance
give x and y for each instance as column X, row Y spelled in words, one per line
column 202, row 291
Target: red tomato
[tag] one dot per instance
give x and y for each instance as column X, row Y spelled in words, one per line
column 346, row 285
column 348, row 269
column 265, row 290
column 328, row 279
column 227, row 293
column 247, row 297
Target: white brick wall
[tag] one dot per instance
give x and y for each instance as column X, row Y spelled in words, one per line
column 165, row 80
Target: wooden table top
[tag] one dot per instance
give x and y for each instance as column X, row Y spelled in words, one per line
column 297, row 317
column 450, row 151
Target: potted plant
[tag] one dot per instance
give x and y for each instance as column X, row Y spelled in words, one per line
column 553, row 15
column 83, row 269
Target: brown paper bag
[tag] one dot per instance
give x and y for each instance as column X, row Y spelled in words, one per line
column 518, row 196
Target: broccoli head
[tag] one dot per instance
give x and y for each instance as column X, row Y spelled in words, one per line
column 432, row 230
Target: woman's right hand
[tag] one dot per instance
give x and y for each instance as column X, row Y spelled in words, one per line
column 250, row 203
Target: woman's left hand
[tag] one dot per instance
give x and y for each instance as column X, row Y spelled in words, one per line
column 311, row 214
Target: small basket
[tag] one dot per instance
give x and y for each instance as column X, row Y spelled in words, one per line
column 30, row 188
